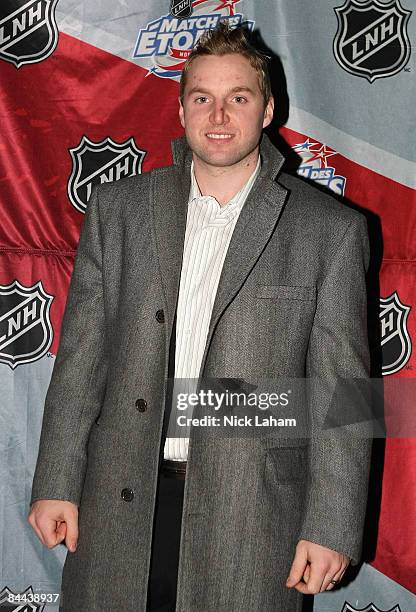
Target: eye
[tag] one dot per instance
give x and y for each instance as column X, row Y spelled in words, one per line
column 240, row 99
column 201, row 99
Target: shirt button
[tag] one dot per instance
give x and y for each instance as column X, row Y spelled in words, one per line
column 127, row 495
column 141, row 404
column 160, row 316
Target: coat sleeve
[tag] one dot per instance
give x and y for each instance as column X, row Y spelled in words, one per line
column 338, row 351
column 77, row 386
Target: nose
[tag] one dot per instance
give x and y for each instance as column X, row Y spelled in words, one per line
column 218, row 115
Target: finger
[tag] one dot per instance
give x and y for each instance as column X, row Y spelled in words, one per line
column 306, row 574
column 332, row 577
column 298, row 567
column 318, row 574
column 60, row 532
column 329, row 583
column 329, row 587
column 71, row 539
column 315, row 579
column 47, row 527
column 340, row 574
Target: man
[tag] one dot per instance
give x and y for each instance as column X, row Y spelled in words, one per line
column 254, row 279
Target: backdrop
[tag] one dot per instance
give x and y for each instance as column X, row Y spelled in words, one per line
column 88, row 94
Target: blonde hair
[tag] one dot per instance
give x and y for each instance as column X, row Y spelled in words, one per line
column 223, row 41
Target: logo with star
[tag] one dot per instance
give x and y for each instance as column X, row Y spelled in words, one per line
column 164, row 45
column 315, row 165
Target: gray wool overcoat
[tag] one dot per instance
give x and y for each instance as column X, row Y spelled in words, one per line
column 291, row 301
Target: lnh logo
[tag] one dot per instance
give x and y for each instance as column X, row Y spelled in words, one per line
column 25, row 328
column 372, row 40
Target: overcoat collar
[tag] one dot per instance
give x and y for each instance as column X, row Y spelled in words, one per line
column 256, row 222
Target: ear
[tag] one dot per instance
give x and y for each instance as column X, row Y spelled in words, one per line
column 268, row 112
column 181, row 113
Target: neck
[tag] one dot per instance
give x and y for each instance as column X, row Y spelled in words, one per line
column 224, row 182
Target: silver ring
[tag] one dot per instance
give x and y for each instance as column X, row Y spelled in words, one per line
column 334, row 581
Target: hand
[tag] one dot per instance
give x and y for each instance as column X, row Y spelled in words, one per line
column 54, row 521
column 317, row 565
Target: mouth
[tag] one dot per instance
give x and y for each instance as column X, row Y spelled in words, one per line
column 219, row 136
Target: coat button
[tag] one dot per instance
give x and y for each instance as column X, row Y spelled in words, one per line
column 160, row 316
column 127, row 495
column 141, row 404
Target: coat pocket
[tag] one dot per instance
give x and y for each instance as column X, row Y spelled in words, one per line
column 288, row 464
column 274, row 441
column 289, row 292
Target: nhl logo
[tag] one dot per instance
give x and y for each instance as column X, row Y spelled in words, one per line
column 181, row 8
column 372, row 40
column 95, row 163
column 370, row 608
column 25, row 327
column 395, row 340
column 28, row 30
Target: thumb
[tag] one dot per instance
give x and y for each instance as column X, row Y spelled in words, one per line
column 71, row 539
column 298, row 567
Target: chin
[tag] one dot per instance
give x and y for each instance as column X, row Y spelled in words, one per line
column 225, row 159
column 220, row 158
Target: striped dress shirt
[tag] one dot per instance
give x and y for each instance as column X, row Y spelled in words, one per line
column 209, row 228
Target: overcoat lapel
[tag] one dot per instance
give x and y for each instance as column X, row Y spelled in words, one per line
column 170, row 193
column 252, row 231
column 256, row 222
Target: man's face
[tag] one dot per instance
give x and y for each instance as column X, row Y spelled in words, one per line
column 223, row 109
